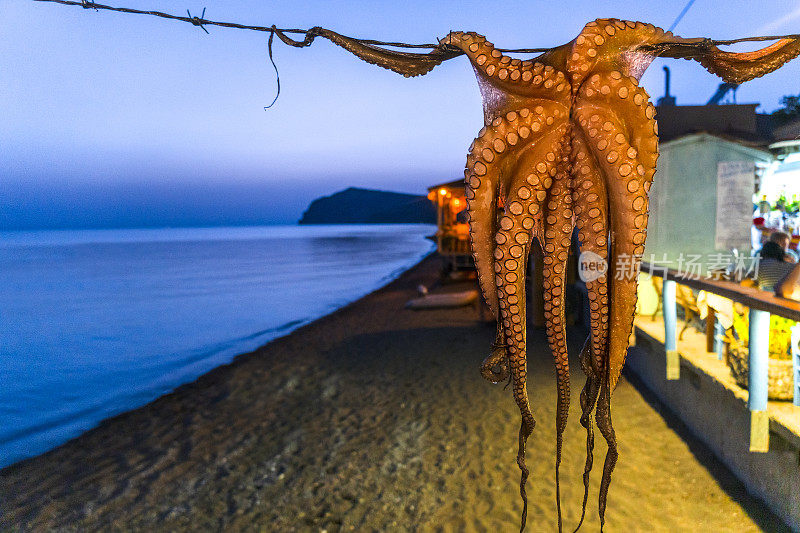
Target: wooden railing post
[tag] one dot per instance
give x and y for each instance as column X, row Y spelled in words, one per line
column 719, row 339
column 711, row 322
column 670, row 310
column 796, row 363
column 715, row 334
column 759, row 380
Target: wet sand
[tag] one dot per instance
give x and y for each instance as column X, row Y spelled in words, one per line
column 374, row 418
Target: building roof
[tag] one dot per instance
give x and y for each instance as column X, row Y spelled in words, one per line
column 456, row 184
column 756, row 151
column 734, row 121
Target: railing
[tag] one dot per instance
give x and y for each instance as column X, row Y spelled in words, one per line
column 761, row 304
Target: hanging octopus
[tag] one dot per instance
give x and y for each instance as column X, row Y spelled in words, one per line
column 570, row 141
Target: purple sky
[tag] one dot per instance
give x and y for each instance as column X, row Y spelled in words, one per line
column 124, row 120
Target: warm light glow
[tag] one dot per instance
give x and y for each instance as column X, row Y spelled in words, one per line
column 442, row 191
column 456, row 202
column 431, row 195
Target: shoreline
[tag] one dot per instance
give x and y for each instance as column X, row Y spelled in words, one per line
column 371, row 417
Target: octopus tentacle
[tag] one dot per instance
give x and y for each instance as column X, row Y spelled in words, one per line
column 628, row 182
column 588, row 398
column 513, row 241
column 609, row 44
column 603, row 417
column 530, row 78
column 627, row 186
column 509, row 84
column 501, row 141
column 739, row 67
column 408, row 64
column 591, row 213
column 732, row 67
column 558, row 224
column 530, row 178
column 483, row 176
column 495, row 367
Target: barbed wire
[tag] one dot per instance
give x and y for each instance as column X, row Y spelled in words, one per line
column 201, row 21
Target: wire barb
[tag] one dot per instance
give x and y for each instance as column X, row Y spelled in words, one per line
column 198, row 21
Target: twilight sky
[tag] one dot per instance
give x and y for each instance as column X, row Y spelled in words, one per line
column 114, row 120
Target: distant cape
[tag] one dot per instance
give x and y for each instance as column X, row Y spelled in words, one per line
column 367, row 206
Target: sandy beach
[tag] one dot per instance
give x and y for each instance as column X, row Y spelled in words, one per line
column 373, row 418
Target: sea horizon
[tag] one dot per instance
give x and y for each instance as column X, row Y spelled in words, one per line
column 96, row 322
column 4, row 231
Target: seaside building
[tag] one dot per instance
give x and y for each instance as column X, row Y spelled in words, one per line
column 452, row 233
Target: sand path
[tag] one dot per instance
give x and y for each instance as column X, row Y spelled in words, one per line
column 371, row 419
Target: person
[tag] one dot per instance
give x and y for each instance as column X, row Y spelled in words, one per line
column 783, row 239
column 789, row 286
column 772, row 266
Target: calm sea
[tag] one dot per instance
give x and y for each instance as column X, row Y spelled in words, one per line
column 94, row 323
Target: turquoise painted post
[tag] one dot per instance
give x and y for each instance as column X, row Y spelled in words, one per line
column 719, row 339
column 670, row 311
column 796, row 363
column 758, row 380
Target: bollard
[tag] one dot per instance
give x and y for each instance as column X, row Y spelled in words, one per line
column 670, row 311
column 759, row 380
